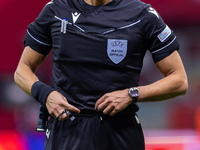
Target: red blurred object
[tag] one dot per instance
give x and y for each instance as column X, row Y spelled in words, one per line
column 7, row 121
column 15, row 17
column 12, row 140
column 178, row 12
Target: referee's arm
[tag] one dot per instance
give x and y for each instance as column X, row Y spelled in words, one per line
column 173, row 84
column 25, row 78
column 25, row 73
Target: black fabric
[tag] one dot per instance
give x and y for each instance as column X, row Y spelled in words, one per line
column 38, row 33
column 102, row 51
column 84, row 65
column 97, row 132
column 40, row 91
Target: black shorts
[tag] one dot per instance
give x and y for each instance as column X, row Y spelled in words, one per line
column 95, row 132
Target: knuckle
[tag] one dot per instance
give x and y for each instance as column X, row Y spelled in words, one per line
column 112, row 106
column 106, row 95
column 113, row 103
column 60, row 103
column 110, row 100
column 117, row 109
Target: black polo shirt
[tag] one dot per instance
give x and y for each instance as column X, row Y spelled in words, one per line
column 98, row 49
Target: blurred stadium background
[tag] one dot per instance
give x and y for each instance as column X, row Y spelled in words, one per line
column 168, row 125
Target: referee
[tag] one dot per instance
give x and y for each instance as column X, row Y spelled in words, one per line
column 98, row 49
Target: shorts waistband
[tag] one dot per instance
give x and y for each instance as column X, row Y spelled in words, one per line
column 90, row 113
column 86, row 113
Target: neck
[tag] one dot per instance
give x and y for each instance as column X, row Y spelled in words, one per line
column 97, row 2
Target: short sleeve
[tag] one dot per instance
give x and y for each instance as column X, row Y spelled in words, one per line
column 38, row 35
column 160, row 39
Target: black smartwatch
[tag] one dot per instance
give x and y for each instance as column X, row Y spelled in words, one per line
column 134, row 94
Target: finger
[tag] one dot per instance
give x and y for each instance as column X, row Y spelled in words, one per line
column 59, row 115
column 99, row 101
column 63, row 117
column 102, row 105
column 108, row 101
column 70, row 107
column 114, row 112
column 117, row 109
column 54, row 113
column 108, row 109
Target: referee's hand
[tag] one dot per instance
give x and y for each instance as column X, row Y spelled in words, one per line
column 56, row 103
column 114, row 102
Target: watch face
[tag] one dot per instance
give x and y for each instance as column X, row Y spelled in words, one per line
column 134, row 92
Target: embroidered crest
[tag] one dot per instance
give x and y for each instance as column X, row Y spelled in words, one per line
column 116, row 50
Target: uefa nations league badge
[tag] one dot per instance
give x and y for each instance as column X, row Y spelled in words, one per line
column 116, row 50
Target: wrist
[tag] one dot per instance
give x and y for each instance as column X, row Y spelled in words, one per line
column 40, row 92
column 134, row 94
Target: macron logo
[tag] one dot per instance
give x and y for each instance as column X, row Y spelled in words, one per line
column 153, row 11
column 48, row 133
column 75, row 16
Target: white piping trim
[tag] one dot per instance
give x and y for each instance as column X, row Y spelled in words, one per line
column 58, row 18
column 112, row 30
column 79, row 28
column 163, row 47
column 38, row 40
column 130, row 25
column 109, row 31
